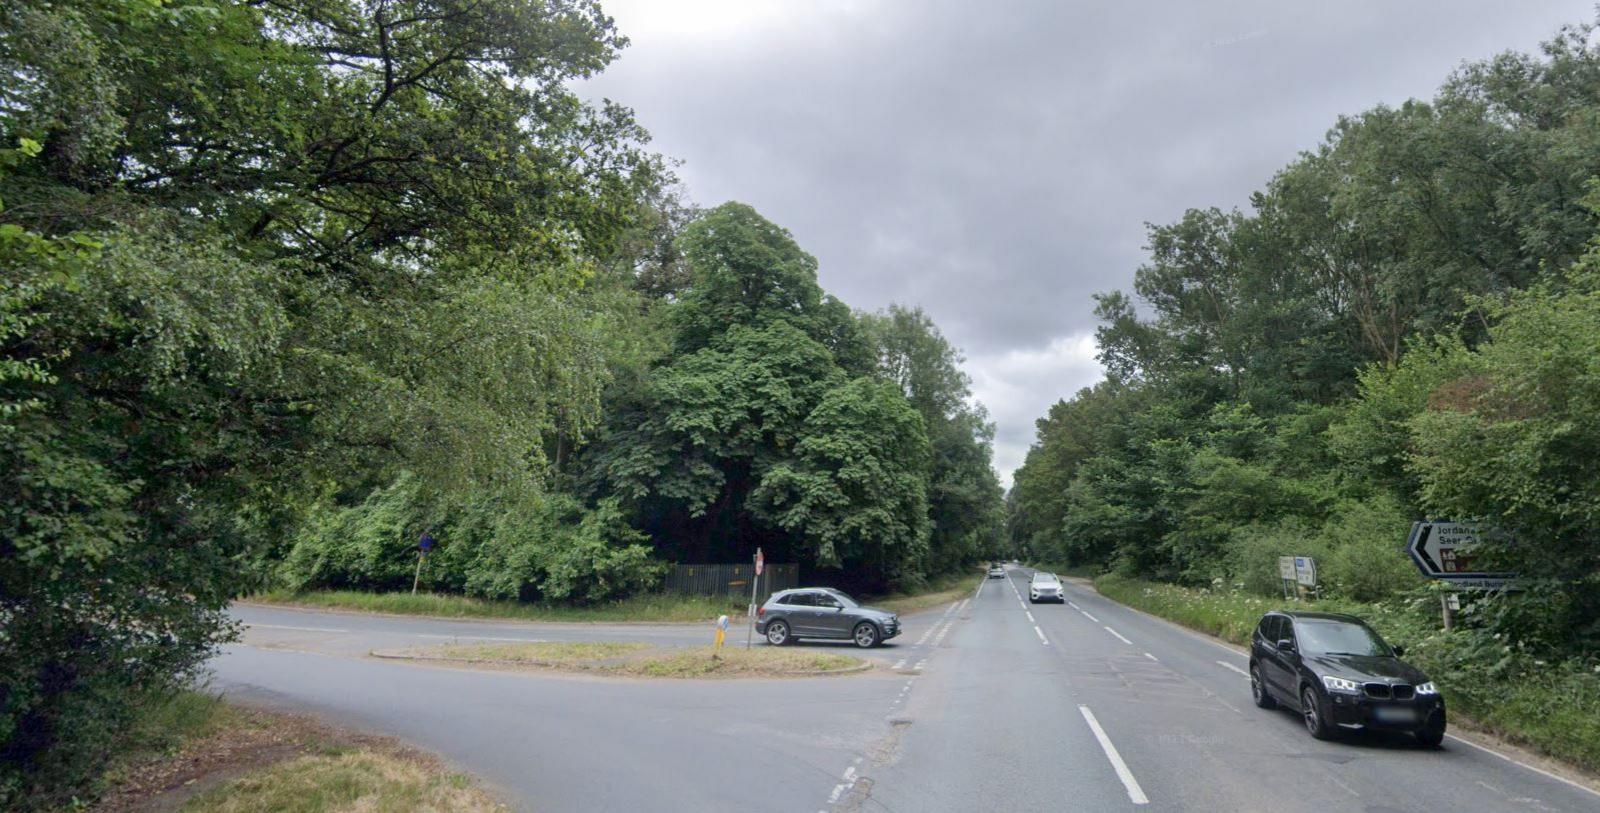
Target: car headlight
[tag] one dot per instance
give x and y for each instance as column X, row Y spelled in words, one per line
column 1428, row 688
column 1339, row 684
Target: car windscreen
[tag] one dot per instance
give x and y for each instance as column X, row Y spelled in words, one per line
column 1338, row 638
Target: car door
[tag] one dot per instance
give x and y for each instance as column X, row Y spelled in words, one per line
column 801, row 611
column 1283, row 666
column 832, row 619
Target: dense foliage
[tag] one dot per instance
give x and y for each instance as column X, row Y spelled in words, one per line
column 1402, row 326
column 285, row 284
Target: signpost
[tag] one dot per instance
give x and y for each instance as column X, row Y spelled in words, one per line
column 1444, row 551
column 1285, row 574
column 1305, row 571
column 424, row 545
column 754, row 583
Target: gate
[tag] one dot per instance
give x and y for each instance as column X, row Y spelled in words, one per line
column 731, row 580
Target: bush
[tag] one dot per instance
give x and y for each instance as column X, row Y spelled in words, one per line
column 1253, row 551
column 1366, row 558
column 522, row 546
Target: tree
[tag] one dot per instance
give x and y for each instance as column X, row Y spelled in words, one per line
column 255, row 249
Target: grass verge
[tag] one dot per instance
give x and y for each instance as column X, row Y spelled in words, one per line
column 940, row 590
column 661, row 607
column 644, row 660
column 216, row 757
column 657, row 608
column 1549, row 706
column 347, row 780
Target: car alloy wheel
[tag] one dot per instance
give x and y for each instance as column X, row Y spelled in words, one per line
column 866, row 636
column 1313, row 715
column 1258, row 690
column 777, row 633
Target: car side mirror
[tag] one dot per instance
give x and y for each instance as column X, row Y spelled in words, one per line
column 1285, row 644
column 839, row 607
column 1399, row 651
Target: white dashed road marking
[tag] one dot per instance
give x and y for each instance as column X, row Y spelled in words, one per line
column 1135, row 793
column 1119, row 636
column 1088, row 616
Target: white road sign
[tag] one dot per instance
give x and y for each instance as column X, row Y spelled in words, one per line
column 1444, row 550
column 1286, row 568
column 1305, row 570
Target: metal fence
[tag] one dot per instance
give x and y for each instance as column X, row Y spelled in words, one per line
column 731, row 580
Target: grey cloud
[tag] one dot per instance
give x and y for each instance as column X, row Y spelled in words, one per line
column 995, row 162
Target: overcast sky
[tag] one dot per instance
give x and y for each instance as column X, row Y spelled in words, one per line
column 995, row 162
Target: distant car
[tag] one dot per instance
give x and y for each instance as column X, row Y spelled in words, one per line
column 997, row 572
column 1340, row 674
column 1045, row 587
column 823, row 612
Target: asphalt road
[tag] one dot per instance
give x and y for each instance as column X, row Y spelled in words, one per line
column 986, row 704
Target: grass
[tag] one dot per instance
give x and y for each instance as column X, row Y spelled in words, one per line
column 348, row 781
column 195, row 752
column 161, row 728
column 659, row 607
column 644, row 660
column 1551, row 707
column 940, row 590
column 544, row 653
column 656, row 607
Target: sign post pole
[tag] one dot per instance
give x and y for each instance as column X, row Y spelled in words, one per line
column 424, row 545
column 760, row 560
column 1449, row 615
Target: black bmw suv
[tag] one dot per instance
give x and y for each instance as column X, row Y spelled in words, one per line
column 1340, row 674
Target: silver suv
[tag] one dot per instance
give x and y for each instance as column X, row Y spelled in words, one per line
column 823, row 612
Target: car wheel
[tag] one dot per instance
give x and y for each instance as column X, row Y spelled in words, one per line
column 1311, row 711
column 1258, row 690
column 778, row 633
column 1431, row 735
column 866, row 635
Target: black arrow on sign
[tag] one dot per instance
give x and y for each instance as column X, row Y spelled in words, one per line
column 1421, row 548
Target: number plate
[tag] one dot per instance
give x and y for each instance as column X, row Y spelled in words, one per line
column 1395, row 714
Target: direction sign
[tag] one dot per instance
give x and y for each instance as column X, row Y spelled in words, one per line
column 1305, row 570
column 1444, row 550
column 425, row 544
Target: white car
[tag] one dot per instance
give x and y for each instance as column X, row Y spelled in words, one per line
column 1045, row 587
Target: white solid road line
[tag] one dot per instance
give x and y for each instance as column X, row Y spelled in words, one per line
column 1135, row 793
column 1119, row 636
column 1226, row 665
column 297, row 629
column 1515, row 761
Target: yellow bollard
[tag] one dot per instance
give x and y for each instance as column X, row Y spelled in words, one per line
column 722, row 634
